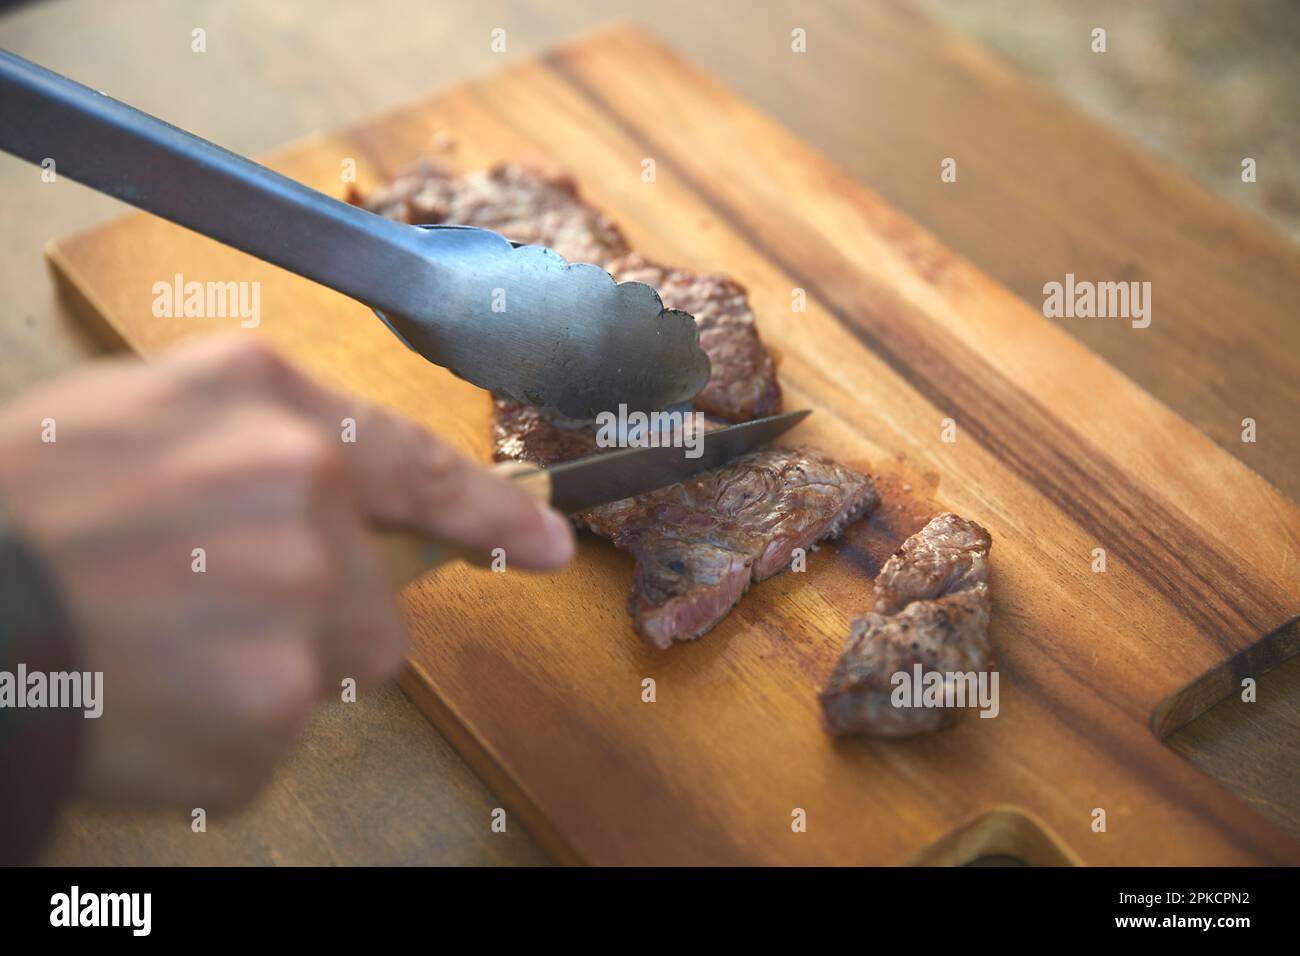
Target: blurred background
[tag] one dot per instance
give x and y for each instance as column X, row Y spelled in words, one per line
column 1144, row 180
column 1193, row 80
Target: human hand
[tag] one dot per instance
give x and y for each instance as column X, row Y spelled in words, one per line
column 223, row 446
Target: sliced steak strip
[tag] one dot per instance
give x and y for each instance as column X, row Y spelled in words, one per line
column 527, row 205
column 931, row 608
column 700, row 544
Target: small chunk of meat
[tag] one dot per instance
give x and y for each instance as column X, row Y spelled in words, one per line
column 527, row 205
column 932, row 608
column 947, row 556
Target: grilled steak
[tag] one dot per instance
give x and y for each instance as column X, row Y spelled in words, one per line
column 700, row 544
column 932, row 609
column 526, row 205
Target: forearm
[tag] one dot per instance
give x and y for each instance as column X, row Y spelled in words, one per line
column 38, row 745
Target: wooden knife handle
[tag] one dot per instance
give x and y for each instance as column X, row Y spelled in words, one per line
column 408, row 556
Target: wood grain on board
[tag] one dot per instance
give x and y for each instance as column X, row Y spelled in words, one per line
column 537, row 680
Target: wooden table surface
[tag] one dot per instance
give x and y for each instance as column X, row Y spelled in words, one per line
column 1041, row 192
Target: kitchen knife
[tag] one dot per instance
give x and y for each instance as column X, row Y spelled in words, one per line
column 573, row 486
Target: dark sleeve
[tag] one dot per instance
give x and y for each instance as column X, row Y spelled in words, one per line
column 38, row 746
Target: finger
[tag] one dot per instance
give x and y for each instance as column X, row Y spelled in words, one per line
column 404, row 476
column 458, row 503
column 408, row 478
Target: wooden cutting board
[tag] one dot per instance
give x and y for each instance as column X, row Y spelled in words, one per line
column 538, row 680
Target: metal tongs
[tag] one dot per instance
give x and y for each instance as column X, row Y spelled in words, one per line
column 516, row 319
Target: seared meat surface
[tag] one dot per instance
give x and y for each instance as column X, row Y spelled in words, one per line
column 932, row 609
column 700, row 544
column 948, row 556
column 526, row 205
column 527, row 433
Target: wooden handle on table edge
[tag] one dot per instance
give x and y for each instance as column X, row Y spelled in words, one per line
column 409, row 556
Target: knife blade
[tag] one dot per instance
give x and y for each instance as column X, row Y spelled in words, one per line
column 607, row 476
column 593, row 480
